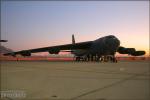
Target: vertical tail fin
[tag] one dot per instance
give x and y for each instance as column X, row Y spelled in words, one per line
column 73, row 39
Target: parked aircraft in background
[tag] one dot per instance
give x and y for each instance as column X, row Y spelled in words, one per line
column 3, row 40
column 100, row 49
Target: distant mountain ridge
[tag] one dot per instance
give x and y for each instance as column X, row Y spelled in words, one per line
column 4, row 49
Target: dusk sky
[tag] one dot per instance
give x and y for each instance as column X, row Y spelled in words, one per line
column 34, row 24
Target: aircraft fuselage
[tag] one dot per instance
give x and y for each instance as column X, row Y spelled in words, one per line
column 107, row 45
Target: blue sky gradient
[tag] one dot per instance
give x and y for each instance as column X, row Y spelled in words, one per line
column 33, row 24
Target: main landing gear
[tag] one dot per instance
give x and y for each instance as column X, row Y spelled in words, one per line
column 96, row 58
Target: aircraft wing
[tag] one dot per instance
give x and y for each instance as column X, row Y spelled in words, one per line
column 53, row 49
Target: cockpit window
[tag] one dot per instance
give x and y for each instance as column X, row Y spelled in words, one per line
column 111, row 36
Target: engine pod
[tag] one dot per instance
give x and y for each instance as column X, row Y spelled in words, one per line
column 54, row 51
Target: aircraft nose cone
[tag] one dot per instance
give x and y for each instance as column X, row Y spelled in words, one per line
column 113, row 42
column 117, row 41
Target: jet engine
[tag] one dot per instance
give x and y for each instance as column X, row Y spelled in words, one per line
column 130, row 51
column 138, row 53
column 54, row 51
column 123, row 50
column 11, row 54
column 25, row 53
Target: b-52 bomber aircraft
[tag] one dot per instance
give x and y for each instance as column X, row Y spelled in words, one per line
column 97, row 50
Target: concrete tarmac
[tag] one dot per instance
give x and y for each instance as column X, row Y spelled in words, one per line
column 45, row 80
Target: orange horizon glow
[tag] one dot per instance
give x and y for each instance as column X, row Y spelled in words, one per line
column 41, row 58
